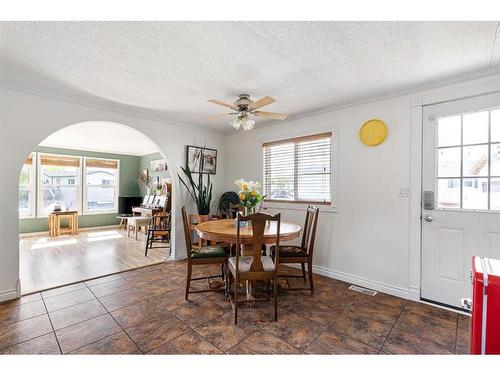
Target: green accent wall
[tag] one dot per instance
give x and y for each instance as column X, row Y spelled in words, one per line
column 145, row 164
column 129, row 169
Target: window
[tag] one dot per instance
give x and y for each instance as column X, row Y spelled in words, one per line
column 101, row 185
column 58, row 177
column 298, row 169
column 468, row 160
column 26, row 189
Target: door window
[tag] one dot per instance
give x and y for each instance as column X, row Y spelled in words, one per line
column 468, row 161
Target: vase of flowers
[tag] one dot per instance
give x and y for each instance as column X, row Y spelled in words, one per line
column 249, row 195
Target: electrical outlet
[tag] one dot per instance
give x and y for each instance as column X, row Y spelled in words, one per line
column 404, row 191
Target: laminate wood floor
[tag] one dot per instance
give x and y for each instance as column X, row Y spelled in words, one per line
column 144, row 311
column 50, row 262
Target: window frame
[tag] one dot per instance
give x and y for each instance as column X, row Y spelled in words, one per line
column 40, row 212
column 32, row 190
column 299, row 204
column 87, row 211
column 463, row 177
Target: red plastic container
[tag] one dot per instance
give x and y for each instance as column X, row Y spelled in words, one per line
column 485, row 321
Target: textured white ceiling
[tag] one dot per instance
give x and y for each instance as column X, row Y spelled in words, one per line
column 102, row 136
column 168, row 70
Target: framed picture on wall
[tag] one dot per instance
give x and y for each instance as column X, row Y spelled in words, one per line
column 158, row 165
column 209, row 161
column 193, row 159
column 201, row 159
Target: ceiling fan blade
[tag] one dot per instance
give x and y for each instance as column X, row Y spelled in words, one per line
column 266, row 100
column 276, row 116
column 220, row 102
column 218, row 117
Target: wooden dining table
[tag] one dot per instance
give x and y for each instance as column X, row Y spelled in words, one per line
column 225, row 230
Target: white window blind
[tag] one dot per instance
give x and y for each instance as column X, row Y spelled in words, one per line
column 298, row 169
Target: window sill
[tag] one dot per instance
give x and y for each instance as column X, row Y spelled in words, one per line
column 21, row 217
column 103, row 212
column 297, row 206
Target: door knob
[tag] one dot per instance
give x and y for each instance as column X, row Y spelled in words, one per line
column 428, row 218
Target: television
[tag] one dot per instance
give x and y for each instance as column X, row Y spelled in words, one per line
column 125, row 204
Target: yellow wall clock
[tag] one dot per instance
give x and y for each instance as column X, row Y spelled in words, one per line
column 373, row 132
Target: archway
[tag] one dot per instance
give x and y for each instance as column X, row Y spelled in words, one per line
column 88, row 167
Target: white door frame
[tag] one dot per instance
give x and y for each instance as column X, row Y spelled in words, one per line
column 417, row 102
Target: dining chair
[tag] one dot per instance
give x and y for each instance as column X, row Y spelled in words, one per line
column 202, row 255
column 302, row 254
column 158, row 231
column 232, row 211
column 255, row 267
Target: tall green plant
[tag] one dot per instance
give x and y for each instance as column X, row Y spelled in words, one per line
column 201, row 194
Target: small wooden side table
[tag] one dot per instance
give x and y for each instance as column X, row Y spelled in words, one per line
column 55, row 223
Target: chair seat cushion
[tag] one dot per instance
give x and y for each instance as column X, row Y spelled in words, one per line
column 208, row 252
column 290, row 251
column 246, row 262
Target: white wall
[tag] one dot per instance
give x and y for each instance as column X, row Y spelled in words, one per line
column 26, row 119
column 371, row 238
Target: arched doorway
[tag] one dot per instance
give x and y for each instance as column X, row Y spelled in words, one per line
column 89, row 167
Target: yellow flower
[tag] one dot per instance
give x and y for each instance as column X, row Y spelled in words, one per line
column 244, row 186
column 253, row 193
column 242, row 196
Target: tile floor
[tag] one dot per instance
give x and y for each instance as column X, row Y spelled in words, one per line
column 144, row 311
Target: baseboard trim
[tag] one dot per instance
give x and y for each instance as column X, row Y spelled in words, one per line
column 85, row 229
column 414, row 293
column 8, row 295
column 364, row 282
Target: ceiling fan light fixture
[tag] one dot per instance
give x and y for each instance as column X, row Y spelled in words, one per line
column 236, row 123
column 248, row 124
column 246, row 108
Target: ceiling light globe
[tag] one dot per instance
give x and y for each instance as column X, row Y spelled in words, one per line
column 248, row 125
column 236, row 123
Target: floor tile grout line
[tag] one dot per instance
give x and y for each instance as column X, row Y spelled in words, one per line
column 73, row 305
column 102, row 277
column 257, row 329
column 296, row 347
column 52, row 325
column 32, row 338
column 60, row 294
column 424, row 338
column 353, row 338
column 172, row 339
column 22, row 320
column 112, row 317
column 393, row 325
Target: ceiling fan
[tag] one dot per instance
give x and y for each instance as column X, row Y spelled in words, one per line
column 244, row 109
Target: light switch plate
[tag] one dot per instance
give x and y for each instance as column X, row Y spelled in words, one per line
column 404, row 191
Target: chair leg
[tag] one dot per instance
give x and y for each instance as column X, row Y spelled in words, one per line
column 303, row 271
column 188, row 281
column 235, row 301
column 147, row 245
column 310, row 272
column 275, row 297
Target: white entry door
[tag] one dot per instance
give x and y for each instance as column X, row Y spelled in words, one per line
column 461, row 167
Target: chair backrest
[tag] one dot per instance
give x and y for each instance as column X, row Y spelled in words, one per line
column 309, row 233
column 187, row 232
column 160, row 221
column 232, row 211
column 259, row 223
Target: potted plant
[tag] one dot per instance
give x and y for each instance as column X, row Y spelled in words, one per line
column 200, row 191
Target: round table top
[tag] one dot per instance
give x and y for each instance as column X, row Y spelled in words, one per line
column 225, row 231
